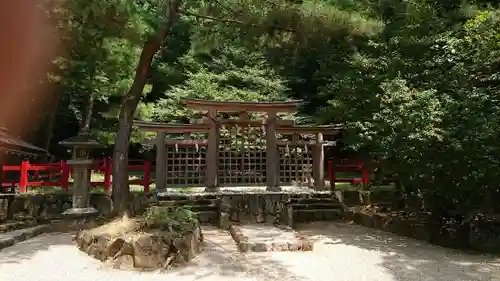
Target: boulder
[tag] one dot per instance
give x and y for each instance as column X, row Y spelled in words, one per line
column 129, row 243
column 150, row 251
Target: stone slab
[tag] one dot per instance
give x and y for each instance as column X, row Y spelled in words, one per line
column 239, row 190
column 268, row 238
column 80, row 212
column 10, row 226
column 12, row 237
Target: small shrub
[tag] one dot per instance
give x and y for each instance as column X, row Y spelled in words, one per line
column 171, row 219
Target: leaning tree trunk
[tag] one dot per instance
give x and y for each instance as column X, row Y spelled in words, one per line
column 121, row 192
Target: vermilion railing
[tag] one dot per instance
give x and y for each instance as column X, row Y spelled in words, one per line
column 58, row 174
column 347, row 166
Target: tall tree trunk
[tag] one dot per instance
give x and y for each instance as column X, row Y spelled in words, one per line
column 121, row 192
column 87, row 118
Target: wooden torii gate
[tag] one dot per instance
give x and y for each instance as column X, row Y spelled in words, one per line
column 212, row 126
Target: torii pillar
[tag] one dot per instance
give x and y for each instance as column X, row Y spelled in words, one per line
column 272, row 153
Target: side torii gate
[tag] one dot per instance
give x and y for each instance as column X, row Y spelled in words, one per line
column 233, row 148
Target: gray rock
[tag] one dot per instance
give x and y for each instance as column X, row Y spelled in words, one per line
column 123, row 262
column 259, row 247
column 224, row 221
column 6, row 242
column 150, row 251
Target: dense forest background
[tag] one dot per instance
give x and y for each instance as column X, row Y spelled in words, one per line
column 415, row 82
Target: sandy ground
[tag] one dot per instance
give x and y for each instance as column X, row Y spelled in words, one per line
column 342, row 252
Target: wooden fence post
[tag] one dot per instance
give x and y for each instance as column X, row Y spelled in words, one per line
column 108, row 170
column 364, row 175
column 23, row 176
column 330, row 175
column 65, row 171
column 147, row 175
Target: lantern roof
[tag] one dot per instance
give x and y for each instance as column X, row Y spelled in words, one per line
column 83, row 139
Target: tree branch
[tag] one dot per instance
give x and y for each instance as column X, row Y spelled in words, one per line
column 233, row 21
column 224, row 6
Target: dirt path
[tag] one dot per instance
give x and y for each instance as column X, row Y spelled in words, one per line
column 343, row 252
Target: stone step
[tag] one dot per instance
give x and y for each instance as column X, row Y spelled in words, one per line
column 312, row 196
column 314, row 201
column 194, row 208
column 317, row 215
column 200, row 202
column 195, row 197
column 316, row 206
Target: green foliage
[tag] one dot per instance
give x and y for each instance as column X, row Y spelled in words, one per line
column 179, row 219
column 223, row 74
column 102, row 41
column 423, row 103
column 416, row 82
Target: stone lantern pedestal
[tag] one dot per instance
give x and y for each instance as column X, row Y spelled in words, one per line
column 81, row 164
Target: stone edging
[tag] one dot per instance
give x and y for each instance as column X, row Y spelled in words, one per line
column 13, row 237
column 407, row 228
column 239, row 238
column 244, row 245
column 6, row 227
column 446, row 236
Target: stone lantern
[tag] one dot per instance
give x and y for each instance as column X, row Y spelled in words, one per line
column 81, row 163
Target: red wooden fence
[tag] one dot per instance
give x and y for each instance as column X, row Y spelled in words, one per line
column 349, row 166
column 58, row 174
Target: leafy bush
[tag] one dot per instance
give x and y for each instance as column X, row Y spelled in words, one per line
column 172, row 219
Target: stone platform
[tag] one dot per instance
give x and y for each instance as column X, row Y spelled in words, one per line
column 229, row 206
column 268, row 238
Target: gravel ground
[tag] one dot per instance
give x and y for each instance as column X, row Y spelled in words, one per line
column 342, row 252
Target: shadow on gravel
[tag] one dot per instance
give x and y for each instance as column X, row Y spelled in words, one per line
column 403, row 259
column 27, row 249
column 221, row 258
column 407, row 259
